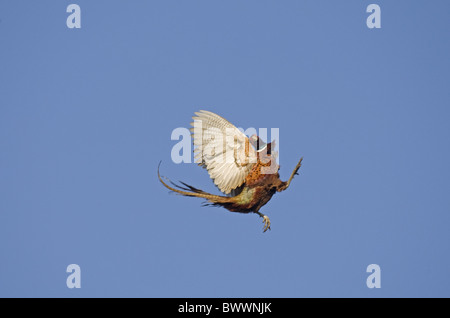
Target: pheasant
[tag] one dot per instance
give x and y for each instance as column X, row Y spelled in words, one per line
column 243, row 168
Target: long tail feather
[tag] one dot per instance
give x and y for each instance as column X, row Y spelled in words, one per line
column 191, row 191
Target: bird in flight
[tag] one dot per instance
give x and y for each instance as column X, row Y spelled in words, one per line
column 244, row 169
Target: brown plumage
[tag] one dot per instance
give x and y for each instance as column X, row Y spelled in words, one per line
column 245, row 168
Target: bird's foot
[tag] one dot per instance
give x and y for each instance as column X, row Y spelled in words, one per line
column 266, row 221
column 285, row 185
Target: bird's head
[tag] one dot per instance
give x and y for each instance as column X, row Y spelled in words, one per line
column 257, row 143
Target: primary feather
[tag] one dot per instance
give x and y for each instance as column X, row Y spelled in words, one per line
column 222, row 149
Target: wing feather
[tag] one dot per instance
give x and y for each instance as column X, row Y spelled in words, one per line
column 221, row 148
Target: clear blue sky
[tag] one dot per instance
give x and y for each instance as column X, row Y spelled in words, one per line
column 86, row 115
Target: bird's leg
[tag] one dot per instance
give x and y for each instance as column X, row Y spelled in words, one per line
column 295, row 172
column 266, row 221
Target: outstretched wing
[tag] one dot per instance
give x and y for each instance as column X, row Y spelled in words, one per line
column 222, row 149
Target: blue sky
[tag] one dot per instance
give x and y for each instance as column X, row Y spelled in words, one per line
column 87, row 114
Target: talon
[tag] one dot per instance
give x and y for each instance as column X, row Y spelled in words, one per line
column 266, row 221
